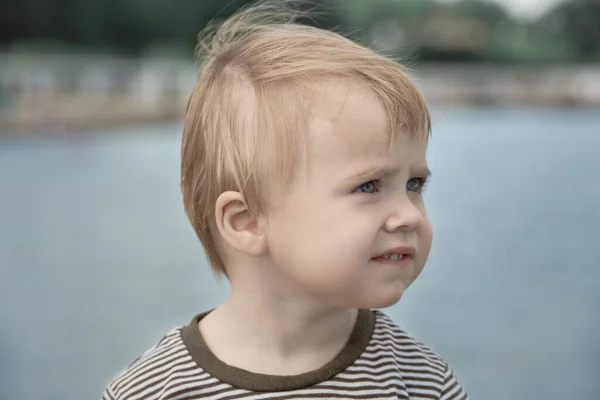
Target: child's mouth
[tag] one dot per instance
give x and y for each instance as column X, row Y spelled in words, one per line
column 394, row 259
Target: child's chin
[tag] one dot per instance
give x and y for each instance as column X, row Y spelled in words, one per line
column 382, row 300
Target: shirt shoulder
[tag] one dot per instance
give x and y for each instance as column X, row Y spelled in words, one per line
column 155, row 371
column 424, row 372
column 389, row 334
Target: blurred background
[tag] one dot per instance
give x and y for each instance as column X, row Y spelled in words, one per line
column 97, row 260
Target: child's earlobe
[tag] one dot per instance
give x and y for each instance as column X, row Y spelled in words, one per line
column 238, row 225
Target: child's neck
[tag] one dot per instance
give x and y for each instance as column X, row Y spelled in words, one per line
column 276, row 336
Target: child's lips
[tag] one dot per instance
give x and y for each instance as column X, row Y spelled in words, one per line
column 399, row 256
column 396, row 261
column 409, row 251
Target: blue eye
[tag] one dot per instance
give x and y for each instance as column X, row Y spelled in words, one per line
column 368, row 187
column 416, row 184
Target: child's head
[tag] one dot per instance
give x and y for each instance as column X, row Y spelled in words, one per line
column 305, row 151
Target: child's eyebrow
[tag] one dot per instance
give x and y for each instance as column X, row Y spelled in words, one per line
column 369, row 173
column 422, row 172
column 381, row 172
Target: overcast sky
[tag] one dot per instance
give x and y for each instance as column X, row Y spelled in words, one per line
column 526, row 9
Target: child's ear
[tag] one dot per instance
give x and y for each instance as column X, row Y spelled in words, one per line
column 238, row 226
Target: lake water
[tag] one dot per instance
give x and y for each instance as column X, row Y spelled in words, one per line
column 97, row 260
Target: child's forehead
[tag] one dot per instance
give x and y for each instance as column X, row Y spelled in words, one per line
column 349, row 130
column 348, row 117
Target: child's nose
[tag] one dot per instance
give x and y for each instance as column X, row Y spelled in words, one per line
column 405, row 216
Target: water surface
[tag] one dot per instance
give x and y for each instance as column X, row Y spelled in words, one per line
column 97, row 260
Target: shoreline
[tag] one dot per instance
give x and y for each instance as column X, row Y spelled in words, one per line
column 87, row 118
column 90, row 127
column 80, row 94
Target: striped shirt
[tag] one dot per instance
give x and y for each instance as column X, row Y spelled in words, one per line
column 380, row 361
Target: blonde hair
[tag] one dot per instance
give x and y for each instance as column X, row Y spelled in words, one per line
column 246, row 115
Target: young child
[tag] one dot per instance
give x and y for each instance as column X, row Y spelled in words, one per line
column 303, row 163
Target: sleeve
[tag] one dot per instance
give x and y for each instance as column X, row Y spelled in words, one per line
column 108, row 394
column 452, row 390
column 111, row 391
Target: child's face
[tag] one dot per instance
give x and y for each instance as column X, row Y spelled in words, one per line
column 326, row 232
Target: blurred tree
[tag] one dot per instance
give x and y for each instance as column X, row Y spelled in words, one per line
column 582, row 27
column 489, row 13
column 124, row 25
column 391, row 26
column 121, row 25
column 465, row 31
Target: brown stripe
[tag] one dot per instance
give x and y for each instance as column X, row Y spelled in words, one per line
column 412, row 356
column 334, row 396
column 202, row 387
column 400, row 377
column 450, row 388
column 431, row 368
column 423, row 395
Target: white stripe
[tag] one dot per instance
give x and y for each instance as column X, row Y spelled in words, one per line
column 400, row 360
column 208, row 380
column 390, row 378
column 453, row 393
column 425, row 370
column 416, row 391
column 315, row 390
